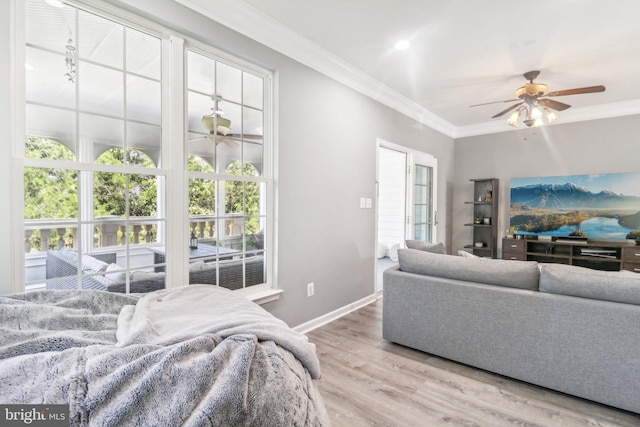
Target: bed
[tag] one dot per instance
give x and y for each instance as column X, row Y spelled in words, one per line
column 195, row 355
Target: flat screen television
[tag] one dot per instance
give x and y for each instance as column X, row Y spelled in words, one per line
column 605, row 206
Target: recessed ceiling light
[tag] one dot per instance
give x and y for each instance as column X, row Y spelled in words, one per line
column 403, row 45
column 55, row 3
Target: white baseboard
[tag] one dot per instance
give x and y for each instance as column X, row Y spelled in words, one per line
column 335, row 314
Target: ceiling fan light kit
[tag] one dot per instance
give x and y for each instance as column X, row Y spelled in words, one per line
column 535, row 104
column 220, row 131
column 224, row 124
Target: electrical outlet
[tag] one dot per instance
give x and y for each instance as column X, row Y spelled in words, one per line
column 310, row 289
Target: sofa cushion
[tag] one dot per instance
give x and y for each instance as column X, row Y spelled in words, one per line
column 436, row 248
column 616, row 286
column 512, row 274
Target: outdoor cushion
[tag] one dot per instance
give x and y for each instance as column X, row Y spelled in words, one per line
column 197, row 265
column 436, row 248
column 512, row 274
column 616, row 286
column 92, row 264
column 118, row 276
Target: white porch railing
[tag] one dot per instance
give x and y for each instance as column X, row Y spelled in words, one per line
column 44, row 234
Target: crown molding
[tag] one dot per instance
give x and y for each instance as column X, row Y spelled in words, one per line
column 247, row 20
column 595, row 112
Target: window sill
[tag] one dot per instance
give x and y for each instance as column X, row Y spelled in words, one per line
column 261, row 294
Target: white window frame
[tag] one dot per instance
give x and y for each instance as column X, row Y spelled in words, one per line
column 267, row 291
column 173, row 155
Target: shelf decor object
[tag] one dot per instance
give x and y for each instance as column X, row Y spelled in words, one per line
column 484, row 218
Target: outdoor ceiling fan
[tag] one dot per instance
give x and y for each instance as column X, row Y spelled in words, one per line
column 220, row 128
column 535, row 103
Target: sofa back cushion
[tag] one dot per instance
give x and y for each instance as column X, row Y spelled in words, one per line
column 616, row 286
column 512, row 274
column 436, row 248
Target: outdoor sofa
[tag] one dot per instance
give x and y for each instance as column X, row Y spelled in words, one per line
column 62, row 270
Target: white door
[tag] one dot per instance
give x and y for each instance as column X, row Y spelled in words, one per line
column 392, row 200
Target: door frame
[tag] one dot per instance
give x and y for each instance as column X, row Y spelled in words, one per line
column 413, row 156
column 423, row 159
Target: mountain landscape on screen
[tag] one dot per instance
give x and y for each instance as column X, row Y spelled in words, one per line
column 571, row 196
column 598, row 206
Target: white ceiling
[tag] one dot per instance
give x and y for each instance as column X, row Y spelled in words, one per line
column 462, row 52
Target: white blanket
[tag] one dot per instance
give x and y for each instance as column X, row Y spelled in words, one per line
column 173, row 315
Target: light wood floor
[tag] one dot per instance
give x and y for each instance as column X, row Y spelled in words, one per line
column 367, row 381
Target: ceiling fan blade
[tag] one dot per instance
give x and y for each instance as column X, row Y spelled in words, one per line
column 555, row 105
column 239, row 136
column 577, row 91
column 230, row 143
column 513, row 107
column 494, row 102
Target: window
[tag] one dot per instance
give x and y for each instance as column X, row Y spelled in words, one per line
column 93, row 183
column 97, row 163
column 226, row 169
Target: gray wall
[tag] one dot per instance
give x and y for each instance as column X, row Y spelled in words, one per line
column 326, row 162
column 593, row 147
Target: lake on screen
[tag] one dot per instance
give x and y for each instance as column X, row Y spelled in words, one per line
column 598, row 226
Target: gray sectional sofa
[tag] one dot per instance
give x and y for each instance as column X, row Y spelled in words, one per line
column 567, row 328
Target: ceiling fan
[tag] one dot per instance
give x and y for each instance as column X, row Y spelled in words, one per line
column 534, row 102
column 220, row 128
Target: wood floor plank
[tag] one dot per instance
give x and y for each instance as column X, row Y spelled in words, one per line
column 367, row 381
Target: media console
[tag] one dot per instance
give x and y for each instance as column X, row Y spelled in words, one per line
column 599, row 255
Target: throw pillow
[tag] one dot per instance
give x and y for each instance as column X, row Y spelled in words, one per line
column 436, row 248
column 467, row 254
column 92, row 264
column 114, row 275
